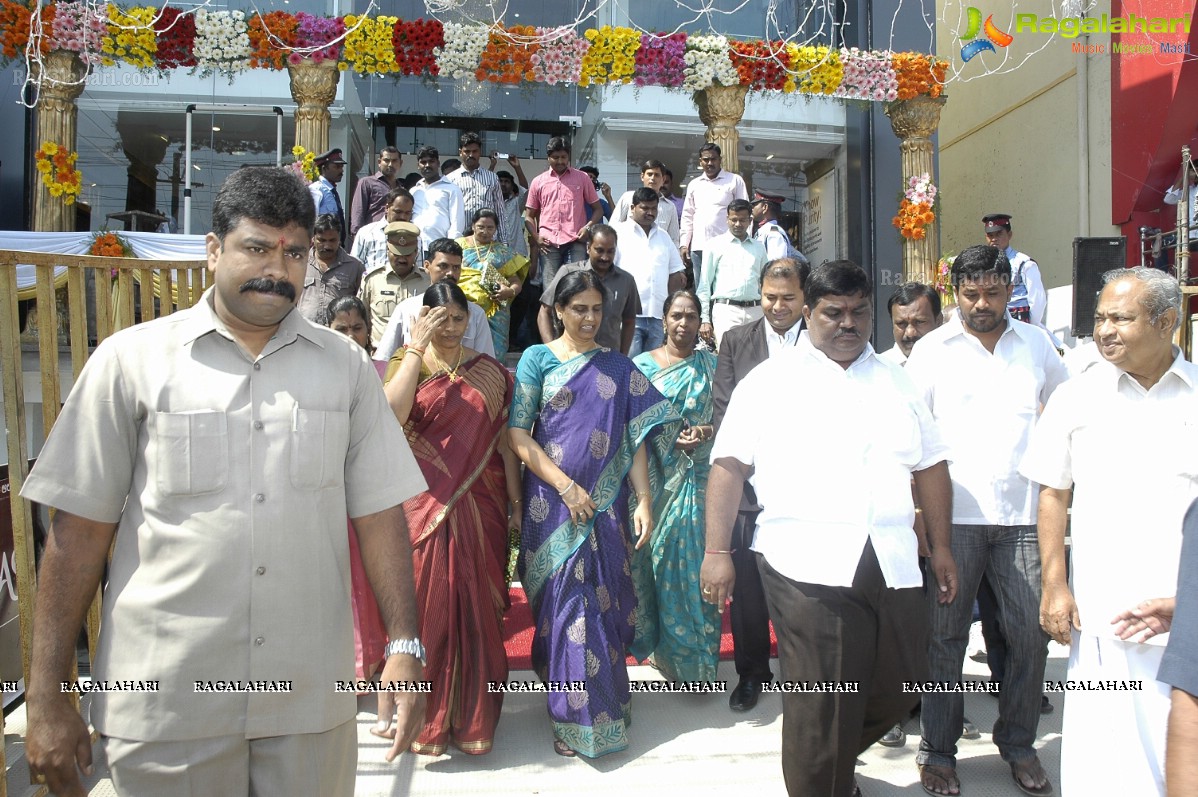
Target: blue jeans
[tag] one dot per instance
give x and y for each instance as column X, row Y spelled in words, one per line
column 696, row 269
column 553, row 256
column 1010, row 558
column 649, row 335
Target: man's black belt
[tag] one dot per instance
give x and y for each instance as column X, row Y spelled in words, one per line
column 738, row 302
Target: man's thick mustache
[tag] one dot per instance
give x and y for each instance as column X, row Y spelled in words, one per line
column 267, row 285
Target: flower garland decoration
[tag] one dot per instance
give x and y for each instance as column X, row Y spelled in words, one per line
column 813, row 70
column 464, row 44
column 57, row 167
column 176, row 33
column 368, row 49
column 272, row 35
column 15, row 21
column 79, row 29
column 918, row 74
column 761, row 65
column 130, row 37
column 708, row 63
column 318, row 37
column 559, row 60
column 304, row 165
column 109, row 244
column 867, row 76
column 414, row 43
column 507, row 56
column 611, row 57
column 916, row 211
column 659, row 60
column 942, row 281
column 222, row 41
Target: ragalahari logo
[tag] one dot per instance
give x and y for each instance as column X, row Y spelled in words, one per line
column 993, row 35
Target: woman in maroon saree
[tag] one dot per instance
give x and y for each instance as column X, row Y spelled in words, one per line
column 453, row 404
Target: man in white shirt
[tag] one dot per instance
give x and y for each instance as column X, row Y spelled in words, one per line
column 1121, row 438
column 647, row 253
column 652, row 176
column 834, row 540
column 370, row 242
column 914, row 312
column 729, row 289
column 767, row 209
column 444, row 265
column 985, row 376
column 703, row 211
column 439, row 209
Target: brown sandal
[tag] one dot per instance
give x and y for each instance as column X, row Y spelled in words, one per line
column 563, row 749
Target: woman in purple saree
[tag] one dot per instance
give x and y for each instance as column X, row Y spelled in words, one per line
column 581, row 416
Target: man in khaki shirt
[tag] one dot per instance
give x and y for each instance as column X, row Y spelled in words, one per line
column 387, row 286
column 220, row 450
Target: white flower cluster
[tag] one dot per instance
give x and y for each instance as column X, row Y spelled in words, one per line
column 222, row 41
column 707, row 63
column 464, row 45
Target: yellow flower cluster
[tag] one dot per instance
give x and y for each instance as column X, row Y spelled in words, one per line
column 130, row 37
column 612, row 56
column 305, row 162
column 57, row 168
column 813, row 70
column 368, row 48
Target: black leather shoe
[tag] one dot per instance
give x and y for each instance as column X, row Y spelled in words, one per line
column 895, row 737
column 744, row 696
column 1046, row 706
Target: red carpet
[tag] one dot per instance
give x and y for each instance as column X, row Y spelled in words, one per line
column 518, row 634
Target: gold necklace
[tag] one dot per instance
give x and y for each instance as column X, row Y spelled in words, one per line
column 452, row 373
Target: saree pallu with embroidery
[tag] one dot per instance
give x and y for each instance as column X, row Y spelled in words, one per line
column 458, row 530
column 590, row 592
column 688, row 646
column 486, row 268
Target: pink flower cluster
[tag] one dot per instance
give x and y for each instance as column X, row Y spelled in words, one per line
column 867, row 76
column 559, row 58
column 320, row 36
column 659, row 60
column 79, row 29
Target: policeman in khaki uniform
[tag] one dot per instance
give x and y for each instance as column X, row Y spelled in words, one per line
column 386, row 286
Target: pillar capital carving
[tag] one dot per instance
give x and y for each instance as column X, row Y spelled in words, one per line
column 914, row 121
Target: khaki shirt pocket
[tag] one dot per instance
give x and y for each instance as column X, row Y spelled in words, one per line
column 319, row 444
column 193, row 452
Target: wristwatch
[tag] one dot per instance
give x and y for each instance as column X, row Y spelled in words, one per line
column 412, row 647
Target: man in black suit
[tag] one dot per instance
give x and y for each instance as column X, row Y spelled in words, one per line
column 742, row 349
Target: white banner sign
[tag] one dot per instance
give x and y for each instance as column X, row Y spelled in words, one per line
column 820, row 231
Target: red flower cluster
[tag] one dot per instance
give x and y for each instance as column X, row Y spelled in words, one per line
column 508, row 55
column 761, row 65
column 176, row 38
column 414, row 42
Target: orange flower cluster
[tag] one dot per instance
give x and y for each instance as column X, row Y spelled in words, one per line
column 760, row 64
column 508, row 55
column 912, row 218
column 14, row 28
column 918, row 74
column 270, row 36
column 108, row 244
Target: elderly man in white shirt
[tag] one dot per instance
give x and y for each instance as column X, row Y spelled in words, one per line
column 914, row 310
column 1121, row 438
column 439, row 209
column 985, row 376
column 648, row 254
column 835, row 542
column 444, row 264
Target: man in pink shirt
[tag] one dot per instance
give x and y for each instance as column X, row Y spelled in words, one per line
column 555, row 210
column 704, row 215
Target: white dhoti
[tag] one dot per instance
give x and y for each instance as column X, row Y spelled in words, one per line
column 1113, row 741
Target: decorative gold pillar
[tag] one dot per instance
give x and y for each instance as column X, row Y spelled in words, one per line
column 721, row 108
column 313, row 87
column 59, row 77
column 914, row 121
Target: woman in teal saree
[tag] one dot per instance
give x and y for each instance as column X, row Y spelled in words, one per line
column 688, row 645
column 582, row 418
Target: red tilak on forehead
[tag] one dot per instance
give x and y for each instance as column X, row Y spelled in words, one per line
column 282, row 242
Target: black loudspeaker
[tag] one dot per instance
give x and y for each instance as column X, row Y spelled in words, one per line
column 1092, row 257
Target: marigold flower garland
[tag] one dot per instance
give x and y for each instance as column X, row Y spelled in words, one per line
column 918, row 74
column 270, row 34
column 109, row 244
column 915, row 211
column 14, row 28
column 612, row 56
column 507, row 56
column 57, row 167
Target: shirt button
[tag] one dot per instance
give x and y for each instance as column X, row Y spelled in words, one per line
column 257, row 424
column 261, row 570
column 259, row 497
column 257, row 366
column 260, row 641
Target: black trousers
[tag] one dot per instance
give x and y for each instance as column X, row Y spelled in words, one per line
column 866, row 634
column 749, row 613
